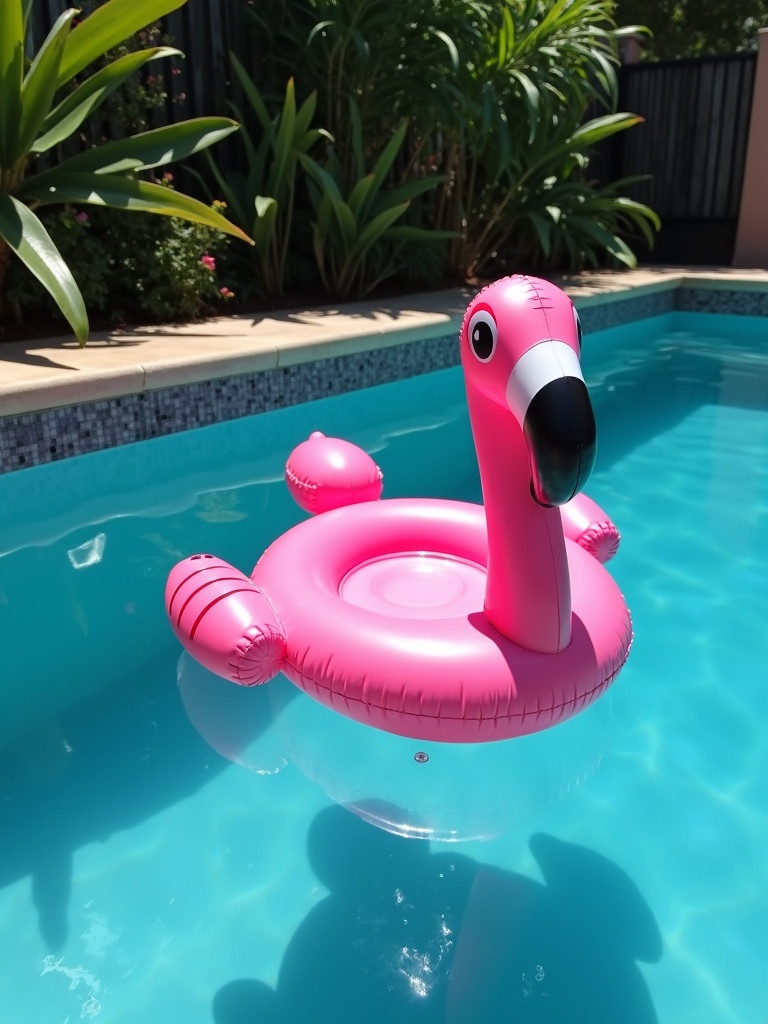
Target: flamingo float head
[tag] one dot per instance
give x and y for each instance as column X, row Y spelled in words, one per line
column 520, row 349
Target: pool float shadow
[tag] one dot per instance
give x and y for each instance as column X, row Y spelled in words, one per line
column 428, row 790
column 409, row 935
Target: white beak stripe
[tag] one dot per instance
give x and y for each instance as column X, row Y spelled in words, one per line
column 547, row 361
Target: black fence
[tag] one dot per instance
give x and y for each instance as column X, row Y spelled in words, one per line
column 692, row 145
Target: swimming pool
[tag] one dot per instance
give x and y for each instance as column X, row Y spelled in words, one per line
column 145, row 877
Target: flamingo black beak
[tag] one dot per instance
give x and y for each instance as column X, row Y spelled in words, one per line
column 560, row 431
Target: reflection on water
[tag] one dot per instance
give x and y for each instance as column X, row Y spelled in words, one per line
column 459, row 791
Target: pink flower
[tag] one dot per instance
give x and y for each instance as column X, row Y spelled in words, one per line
column 82, row 217
column 225, row 293
column 208, row 262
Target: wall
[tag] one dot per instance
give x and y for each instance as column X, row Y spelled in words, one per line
column 752, row 235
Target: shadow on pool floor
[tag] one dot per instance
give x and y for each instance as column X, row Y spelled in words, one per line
column 409, row 935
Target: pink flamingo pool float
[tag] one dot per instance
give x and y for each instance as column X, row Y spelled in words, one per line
column 439, row 620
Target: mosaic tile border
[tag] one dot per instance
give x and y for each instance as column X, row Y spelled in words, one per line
column 32, row 439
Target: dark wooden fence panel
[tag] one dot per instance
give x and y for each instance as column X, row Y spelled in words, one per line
column 693, row 146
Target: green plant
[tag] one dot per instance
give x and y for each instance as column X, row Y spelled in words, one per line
column 179, row 279
column 393, row 58
column 523, row 93
column 261, row 198
column 566, row 221
column 500, row 95
column 36, row 116
column 544, row 211
column 356, row 239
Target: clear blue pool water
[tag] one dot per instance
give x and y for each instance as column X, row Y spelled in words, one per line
column 145, row 877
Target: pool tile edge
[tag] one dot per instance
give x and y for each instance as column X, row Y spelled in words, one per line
column 237, row 367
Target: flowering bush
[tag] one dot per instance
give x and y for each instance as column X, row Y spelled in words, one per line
column 130, row 266
column 178, row 281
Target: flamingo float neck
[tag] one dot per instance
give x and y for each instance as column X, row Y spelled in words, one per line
column 528, row 590
column 535, row 441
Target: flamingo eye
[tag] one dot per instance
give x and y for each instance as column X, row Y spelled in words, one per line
column 577, row 321
column 482, row 335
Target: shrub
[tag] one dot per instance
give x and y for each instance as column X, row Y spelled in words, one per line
column 129, row 266
column 495, row 94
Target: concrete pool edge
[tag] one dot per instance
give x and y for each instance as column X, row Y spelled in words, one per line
column 57, row 401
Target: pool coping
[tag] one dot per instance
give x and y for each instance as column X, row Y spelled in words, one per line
column 58, row 400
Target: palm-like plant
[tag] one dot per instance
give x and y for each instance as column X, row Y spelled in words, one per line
column 261, row 196
column 356, row 237
column 37, row 114
column 524, row 93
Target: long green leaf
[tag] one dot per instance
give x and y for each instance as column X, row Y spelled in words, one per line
column 641, row 216
column 412, row 189
column 11, row 76
column 251, row 93
column 263, row 226
column 602, row 127
column 376, row 227
column 255, row 155
column 381, row 169
column 345, row 219
column 283, row 151
column 39, row 86
column 64, row 120
column 108, row 26
column 126, row 194
column 356, row 137
column 359, row 194
column 543, row 228
column 387, row 156
column 505, row 37
column 531, row 102
column 453, row 50
column 317, row 29
column 24, row 233
column 149, row 149
column 612, row 244
column 304, row 116
column 410, row 233
column 309, row 138
column 324, row 180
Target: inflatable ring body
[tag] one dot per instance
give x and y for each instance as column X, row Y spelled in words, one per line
column 387, row 625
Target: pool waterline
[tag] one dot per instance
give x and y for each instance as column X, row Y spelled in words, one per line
column 58, row 401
